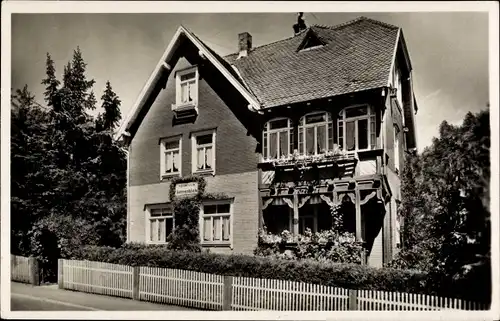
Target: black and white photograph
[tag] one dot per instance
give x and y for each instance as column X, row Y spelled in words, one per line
column 264, row 160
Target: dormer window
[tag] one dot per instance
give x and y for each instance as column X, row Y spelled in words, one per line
column 187, row 86
column 310, row 41
column 277, row 138
column 315, row 133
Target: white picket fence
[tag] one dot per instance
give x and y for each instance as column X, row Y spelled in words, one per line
column 278, row 295
column 97, row 277
column 181, row 287
column 21, row 269
column 215, row 292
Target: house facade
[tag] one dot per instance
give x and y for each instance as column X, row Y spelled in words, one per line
column 286, row 130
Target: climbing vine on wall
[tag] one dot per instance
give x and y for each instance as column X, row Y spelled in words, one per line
column 186, row 235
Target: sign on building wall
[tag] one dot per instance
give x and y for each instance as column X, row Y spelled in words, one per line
column 186, row 189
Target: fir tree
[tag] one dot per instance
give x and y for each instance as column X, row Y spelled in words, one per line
column 111, row 105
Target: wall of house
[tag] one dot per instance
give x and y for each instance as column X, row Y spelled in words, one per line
column 235, row 164
column 242, row 186
column 392, row 117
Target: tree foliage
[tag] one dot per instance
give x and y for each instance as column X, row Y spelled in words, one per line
column 68, row 173
column 445, row 205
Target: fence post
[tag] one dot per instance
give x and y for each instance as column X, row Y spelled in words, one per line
column 227, row 296
column 60, row 273
column 135, row 282
column 353, row 300
column 34, row 272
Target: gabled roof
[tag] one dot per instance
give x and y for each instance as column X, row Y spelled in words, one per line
column 229, row 73
column 357, row 56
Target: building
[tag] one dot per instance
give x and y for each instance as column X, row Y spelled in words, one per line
column 286, row 130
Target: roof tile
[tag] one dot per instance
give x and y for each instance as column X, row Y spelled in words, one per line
column 357, row 56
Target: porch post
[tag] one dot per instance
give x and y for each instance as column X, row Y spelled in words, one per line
column 359, row 235
column 295, row 221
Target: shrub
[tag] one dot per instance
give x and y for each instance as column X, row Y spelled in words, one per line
column 340, row 247
column 352, row 276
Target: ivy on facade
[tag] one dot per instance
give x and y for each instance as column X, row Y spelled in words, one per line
column 186, row 210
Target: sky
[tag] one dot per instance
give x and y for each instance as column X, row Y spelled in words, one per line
column 448, row 50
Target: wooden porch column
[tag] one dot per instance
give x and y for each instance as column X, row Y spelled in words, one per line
column 359, row 231
column 295, row 220
column 357, row 201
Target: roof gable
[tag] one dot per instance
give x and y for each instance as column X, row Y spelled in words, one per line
column 163, row 68
column 311, row 40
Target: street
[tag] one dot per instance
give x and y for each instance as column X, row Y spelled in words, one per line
column 25, row 297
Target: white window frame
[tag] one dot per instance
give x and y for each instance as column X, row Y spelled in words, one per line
column 303, row 127
column 194, row 151
column 266, row 137
column 179, row 82
column 163, row 151
column 231, row 223
column 396, row 132
column 149, row 219
column 342, row 120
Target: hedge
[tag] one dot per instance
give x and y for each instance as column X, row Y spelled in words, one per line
column 351, row 276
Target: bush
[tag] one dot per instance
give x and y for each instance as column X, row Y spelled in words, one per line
column 320, row 246
column 352, row 276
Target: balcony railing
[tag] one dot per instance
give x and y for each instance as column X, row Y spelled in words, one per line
column 297, row 160
column 362, row 163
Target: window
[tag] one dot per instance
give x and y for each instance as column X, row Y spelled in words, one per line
column 356, row 128
column 204, row 152
column 396, row 148
column 315, row 133
column 159, row 223
column 397, row 84
column 216, row 223
column 278, row 138
column 170, row 156
column 187, row 86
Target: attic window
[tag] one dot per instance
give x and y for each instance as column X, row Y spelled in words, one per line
column 186, row 92
column 187, row 86
column 311, row 41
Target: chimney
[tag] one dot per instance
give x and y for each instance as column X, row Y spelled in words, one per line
column 300, row 25
column 244, row 44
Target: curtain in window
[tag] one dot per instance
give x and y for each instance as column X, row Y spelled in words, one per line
column 273, row 147
column 226, row 229
column 161, row 230
column 283, row 143
column 168, row 162
column 175, row 162
column 217, row 229
column 207, row 227
column 184, row 92
column 208, row 157
column 192, row 91
column 201, row 155
column 301, row 140
column 350, row 132
column 152, row 230
column 321, row 139
column 310, row 141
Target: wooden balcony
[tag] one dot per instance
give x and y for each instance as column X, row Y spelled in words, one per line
column 335, row 167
